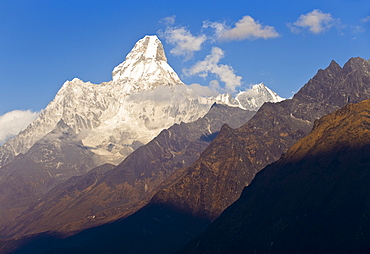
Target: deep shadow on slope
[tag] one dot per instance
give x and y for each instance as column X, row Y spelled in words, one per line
column 315, row 199
column 139, row 233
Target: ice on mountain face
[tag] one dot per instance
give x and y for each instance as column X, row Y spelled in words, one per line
column 112, row 119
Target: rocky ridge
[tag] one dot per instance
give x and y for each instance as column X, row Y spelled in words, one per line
column 313, row 200
column 231, row 161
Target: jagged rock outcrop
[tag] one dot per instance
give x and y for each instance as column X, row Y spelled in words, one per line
column 315, row 199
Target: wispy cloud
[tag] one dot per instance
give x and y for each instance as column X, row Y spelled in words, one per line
column 225, row 73
column 168, row 21
column 357, row 29
column 185, row 43
column 13, row 122
column 245, row 28
column 365, row 20
column 212, row 90
column 315, row 21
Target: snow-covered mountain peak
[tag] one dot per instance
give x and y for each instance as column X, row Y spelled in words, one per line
column 250, row 99
column 145, row 67
column 256, row 96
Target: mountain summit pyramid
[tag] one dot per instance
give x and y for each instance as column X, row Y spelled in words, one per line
column 147, row 65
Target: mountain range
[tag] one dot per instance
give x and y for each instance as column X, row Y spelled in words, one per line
column 202, row 191
column 74, row 148
column 190, row 198
column 112, row 119
column 237, row 155
column 142, row 164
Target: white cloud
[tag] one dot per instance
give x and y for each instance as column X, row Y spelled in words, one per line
column 365, row 20
column 168, row 21
column 215, row 85
column 185, row 43
column 357, row 29
column 206, row 91
column 245, row 28
column 210, row 64
column 316, row 21
column 13, row 122
column 219, row 28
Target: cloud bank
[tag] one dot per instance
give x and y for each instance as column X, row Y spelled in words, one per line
column 210, row 64
column 13, row 122
column 245, row 28
column 315, row 21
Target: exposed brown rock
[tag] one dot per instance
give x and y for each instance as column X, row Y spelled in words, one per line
column 315, row 199
column 231, row 161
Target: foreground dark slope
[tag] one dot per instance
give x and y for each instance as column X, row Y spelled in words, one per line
column 100, row 197
column 315, row 199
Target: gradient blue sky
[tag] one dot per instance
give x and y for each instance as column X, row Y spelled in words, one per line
column 46, row 42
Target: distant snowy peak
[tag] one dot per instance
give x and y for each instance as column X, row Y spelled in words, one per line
column 251, row 99
column 145, row 67
column 256, row 96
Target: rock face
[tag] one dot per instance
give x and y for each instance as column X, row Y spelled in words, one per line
column 30, row 175
column 231, row 161
column 92, row 199
column 315, row 199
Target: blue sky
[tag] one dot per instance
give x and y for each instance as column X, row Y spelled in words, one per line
column 280, row 43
